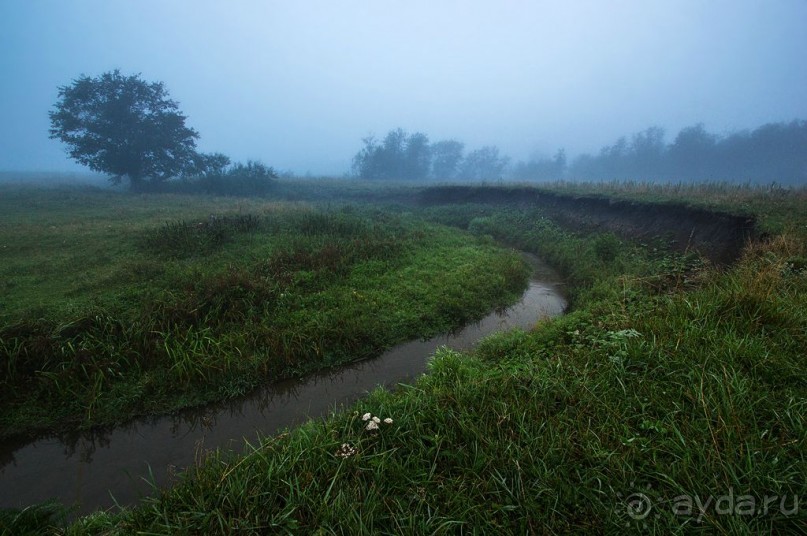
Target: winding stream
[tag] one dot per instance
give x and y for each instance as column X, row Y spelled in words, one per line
column 89, row 469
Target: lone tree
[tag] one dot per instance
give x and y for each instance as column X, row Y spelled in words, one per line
column 125, row 127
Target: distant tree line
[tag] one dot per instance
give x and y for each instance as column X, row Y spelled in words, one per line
column 130, row 129
column 405, row 156
column 772, row 152
column 541, row 169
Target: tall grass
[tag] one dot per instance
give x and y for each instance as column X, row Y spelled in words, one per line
column 670, row 382
column 776, row 207
column 212, row 305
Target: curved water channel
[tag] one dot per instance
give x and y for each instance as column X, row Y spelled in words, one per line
column 95, row 470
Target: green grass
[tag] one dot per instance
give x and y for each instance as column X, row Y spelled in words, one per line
column 670, row 378
column 778, row 209
column 117, row 305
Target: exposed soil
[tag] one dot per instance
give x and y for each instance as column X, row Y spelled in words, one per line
column 718, row 236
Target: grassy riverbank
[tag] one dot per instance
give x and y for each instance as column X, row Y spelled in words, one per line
column 116, row 305
column 777, row 209
column 671, row 400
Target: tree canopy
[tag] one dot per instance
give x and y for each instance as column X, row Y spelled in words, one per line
column 483, row 164
column 125, row 127
column 399, row 156
column 410, row 156
column 771, row 152
column 446, row 158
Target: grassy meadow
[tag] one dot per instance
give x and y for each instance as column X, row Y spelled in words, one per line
column 778, row 209
column 670, row 400
column 114, row 305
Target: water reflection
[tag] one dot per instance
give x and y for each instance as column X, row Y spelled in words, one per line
column 95, row 469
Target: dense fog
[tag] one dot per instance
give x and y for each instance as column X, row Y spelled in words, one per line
column 774, row 152
column 669, row 90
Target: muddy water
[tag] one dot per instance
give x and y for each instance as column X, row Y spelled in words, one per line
column 94, row 470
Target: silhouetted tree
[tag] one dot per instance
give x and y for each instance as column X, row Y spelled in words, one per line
column 252, row 178
column 613, row 159
column 779, row 152
column 366, row 163
column 446, row 158
column 207, row 164
column 125, row 127
column 417, row 157
column 484, row 163
column 771, row 152
column 538, row 169
column 398, row 156
column 646, row 156
column 392, row 153
column 692, row 154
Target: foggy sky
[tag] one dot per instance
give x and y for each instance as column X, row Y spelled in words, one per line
column 297, row 84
